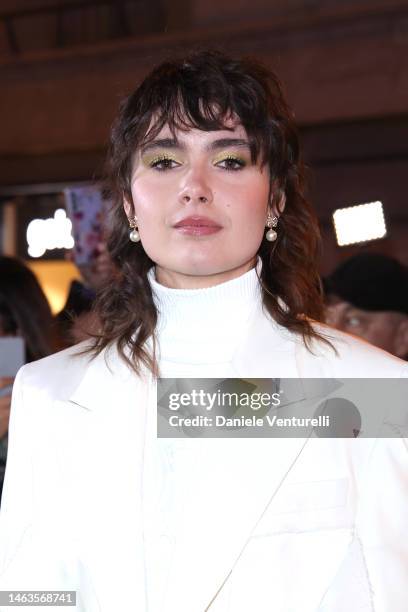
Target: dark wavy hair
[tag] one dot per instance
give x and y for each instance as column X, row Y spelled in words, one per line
column 200, row 91
column 24, row 309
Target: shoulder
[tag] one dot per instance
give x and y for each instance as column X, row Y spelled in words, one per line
column 350, row 356
column 59, row 373
column 60, row 376
column 332, row 354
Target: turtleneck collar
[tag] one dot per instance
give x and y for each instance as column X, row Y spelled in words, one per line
column 205, row 325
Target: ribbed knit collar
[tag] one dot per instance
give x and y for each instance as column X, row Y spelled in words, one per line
column 205, row 325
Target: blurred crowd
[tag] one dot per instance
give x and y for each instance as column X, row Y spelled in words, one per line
column 25, row 313
column 367, row 295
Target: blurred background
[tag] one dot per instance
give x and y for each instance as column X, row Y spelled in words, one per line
column 64, row 66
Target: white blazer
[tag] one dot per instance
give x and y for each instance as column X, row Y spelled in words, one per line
column 94, row 503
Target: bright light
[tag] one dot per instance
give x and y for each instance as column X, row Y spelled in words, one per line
column 359, row 223
column 47, row 234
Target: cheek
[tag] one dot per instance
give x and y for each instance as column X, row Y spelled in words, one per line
column 255, row 183
column 249, row 206
column 149, row 200
column 257, row 192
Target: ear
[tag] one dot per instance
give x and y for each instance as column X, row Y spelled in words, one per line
column 278, row 204
column 401, row 339
column 128, row 208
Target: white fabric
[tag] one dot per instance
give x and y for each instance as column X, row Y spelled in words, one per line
column 93, row 502
column 200, row 326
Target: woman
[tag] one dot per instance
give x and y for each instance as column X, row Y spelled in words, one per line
column 24, row 312
column 24, row 309
column 217, row 278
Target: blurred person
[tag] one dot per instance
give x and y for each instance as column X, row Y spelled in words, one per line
column 367, row 295
column 24, row 312
column 216, row 248
column 77, row 319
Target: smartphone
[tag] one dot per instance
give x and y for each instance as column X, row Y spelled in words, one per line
column 85, row 207
column 12, row 357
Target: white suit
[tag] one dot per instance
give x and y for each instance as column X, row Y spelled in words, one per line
column 94, row 503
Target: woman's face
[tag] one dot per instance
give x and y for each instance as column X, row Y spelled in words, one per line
column 201, row 205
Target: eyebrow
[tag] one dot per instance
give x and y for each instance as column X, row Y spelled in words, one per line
column 173, row 143
column 223, row 143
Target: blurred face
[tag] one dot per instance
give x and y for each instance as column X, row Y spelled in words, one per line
column 387, row 330
column 201, row 205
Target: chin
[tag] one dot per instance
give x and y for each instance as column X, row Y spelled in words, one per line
column 195, row 263
column 204, row 268
column 207, row 268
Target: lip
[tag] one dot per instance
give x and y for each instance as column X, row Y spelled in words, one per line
column 197, row 221
column 197, row 226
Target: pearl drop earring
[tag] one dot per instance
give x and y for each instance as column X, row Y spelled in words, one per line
column 271, row 235
column 134, row 235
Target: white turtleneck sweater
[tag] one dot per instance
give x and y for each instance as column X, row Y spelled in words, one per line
column 199, row 330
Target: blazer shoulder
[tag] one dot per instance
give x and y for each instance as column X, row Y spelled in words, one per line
column 354, row 357
column 59, row 372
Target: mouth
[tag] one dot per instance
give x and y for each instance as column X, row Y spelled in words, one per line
column 197, row 221
column 197, row 226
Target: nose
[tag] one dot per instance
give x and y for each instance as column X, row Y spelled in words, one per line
column 196, row 190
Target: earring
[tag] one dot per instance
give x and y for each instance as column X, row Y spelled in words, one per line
column 134, row 235
column 271, row 235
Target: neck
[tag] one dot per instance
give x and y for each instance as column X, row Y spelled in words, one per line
column 204, row 324
column 178, row 280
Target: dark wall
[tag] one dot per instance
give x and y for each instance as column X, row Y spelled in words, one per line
column 343, row 64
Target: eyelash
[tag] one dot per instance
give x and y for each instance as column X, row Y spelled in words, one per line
column 162, row 163
column 236, row 160
column 163, row 159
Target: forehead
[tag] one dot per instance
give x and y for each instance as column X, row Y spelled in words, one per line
column 231, row 130
column 181, row 126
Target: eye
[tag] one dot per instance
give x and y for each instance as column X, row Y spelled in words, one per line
column 163, row 163
column 353, row 321
column 231, row 163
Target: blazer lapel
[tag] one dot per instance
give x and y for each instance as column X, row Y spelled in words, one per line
column 102, row 380
column 232, row 485
column 233, row 482
column 105, row 474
